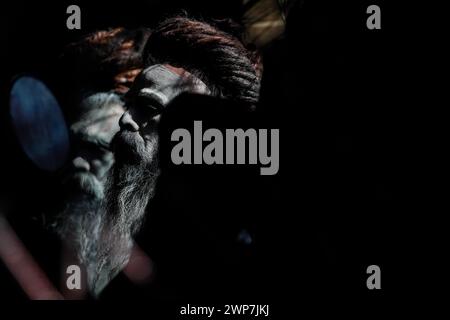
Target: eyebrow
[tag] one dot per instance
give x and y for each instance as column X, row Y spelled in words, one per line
column 161, row 99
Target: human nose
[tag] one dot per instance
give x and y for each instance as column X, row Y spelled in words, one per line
column 126, row 122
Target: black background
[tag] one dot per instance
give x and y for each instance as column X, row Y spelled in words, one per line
column 335, row 89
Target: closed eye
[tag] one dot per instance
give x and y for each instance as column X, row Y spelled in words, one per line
column 148, row 105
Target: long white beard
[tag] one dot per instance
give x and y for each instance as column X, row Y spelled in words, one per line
column 80, row 226
column 101, row 231
column 128, row 191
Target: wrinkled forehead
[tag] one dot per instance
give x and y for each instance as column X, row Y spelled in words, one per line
column 169, row 81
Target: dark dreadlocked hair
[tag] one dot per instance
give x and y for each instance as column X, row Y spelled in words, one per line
column 218, row 58
column 106, row 60
column 97, row 58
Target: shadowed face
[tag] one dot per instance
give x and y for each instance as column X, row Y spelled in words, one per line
column 132, row 180
column 152, row 91
column 92, row 133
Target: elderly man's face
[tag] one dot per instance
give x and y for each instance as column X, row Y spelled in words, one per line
column 133, row 178
column 152, row 91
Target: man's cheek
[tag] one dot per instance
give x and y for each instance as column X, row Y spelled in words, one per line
column 150, row 132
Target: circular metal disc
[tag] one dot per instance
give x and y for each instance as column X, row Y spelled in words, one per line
column 39, row 123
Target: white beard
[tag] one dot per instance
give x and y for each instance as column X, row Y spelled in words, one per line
column 100, row 230
column 100, row 225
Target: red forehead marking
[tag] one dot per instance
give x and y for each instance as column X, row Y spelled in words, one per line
column 179, row 71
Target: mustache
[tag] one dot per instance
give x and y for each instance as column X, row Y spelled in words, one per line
column 128, row 146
